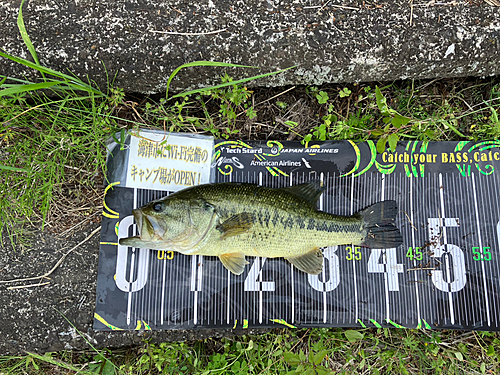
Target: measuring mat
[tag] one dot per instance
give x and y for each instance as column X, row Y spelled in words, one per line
column 446, row 274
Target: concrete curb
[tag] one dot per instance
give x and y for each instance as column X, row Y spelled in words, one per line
column 142, row 42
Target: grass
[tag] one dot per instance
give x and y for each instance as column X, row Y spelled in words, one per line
column 284, row 351
column 49, row 148
column 52, row 159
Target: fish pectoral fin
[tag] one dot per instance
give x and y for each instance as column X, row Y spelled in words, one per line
column 311, row 262
column 236, row 225
column 234, row 262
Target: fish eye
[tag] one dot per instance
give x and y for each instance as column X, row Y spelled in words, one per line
column 158, row 207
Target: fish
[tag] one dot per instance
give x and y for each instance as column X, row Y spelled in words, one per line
column 234, row 220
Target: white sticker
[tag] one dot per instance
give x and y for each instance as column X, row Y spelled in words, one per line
column 169, row 162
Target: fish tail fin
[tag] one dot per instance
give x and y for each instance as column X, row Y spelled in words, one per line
column 378, row 221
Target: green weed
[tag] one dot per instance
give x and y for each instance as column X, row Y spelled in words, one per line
column 232, row 100
column 405, row 112
column 284, row 351
column 310, row 364
column 42, row 147
column 345, row 93
column 282, row 105
column 322, row 97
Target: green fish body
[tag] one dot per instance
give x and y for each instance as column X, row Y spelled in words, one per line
column 234, row 220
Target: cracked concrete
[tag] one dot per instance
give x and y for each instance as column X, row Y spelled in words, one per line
column 137, row 44
column 33, row 319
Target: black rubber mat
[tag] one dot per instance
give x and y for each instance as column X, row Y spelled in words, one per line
column 446, row 273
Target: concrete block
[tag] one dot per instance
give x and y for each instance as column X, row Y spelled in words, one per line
column 137, row 44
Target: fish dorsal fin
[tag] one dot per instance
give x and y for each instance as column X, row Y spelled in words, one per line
column 310, row 191
column 234, row 262
column 311, row 262
column 236, row 225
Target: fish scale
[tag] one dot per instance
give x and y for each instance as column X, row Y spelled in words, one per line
column 234, row 220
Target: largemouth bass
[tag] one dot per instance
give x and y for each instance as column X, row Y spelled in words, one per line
column 234, row 220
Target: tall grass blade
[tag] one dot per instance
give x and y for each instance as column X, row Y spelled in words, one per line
column 13, row 169
column 23, row 81
column 24, row 34
column 16, row 89
column 457, row 132
column 73, row 82
column 203, row 63
column 229, row 83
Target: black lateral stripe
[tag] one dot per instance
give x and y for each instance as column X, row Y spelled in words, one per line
column 287, row 222
column 300, row 222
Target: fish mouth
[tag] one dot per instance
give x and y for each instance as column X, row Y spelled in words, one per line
column 138, row 219
column 148, row 227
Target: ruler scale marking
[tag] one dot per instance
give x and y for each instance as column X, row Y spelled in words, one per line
column 291, row 274
column 481, row 251
column 473, row 293
column 354, row 263
column 446, row 255
column 412, row 230
column 495, row 235
column 458, row 188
